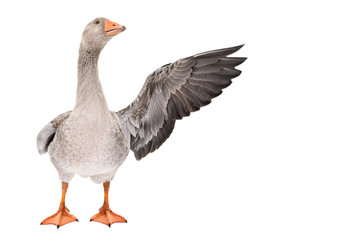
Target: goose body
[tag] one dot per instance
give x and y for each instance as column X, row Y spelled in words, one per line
column 89, row 142
column 93, row 141
column 97, row 153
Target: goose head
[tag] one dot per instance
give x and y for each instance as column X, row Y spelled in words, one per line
column 98, row 32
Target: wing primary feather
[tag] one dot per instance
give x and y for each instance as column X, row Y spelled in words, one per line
column 231, row 61
column 193, row 101
column 199, row 92
column 172, row 109
column 218, row 52
column 233, row 73
column 184, row 104
column 178, row 105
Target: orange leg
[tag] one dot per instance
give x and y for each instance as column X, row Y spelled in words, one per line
column 105, row 215
column 62, row 216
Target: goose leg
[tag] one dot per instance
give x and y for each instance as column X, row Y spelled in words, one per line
column 105, row 215
column 62, row 216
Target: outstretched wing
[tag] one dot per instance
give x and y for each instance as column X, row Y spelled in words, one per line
column 173, row 92
column 47, row 133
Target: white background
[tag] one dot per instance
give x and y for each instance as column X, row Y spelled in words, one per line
column 275, row 157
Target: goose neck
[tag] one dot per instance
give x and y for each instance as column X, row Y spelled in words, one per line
column 90, row 94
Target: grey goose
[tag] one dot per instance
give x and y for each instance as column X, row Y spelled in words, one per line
column 93, row 141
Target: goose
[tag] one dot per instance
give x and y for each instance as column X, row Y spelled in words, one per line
column 93, row 141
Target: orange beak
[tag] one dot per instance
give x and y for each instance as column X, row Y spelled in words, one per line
column 112, row 28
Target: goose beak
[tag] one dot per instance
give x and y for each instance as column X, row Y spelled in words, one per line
column 113, row 28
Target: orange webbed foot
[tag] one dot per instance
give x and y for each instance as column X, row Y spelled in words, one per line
column 107, row 217
column 60, row 218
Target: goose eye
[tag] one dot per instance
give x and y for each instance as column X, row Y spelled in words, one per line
column 97, row 22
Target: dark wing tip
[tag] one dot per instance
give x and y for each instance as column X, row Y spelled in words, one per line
column 219, row 52
column 137, row 155
column 236, row 48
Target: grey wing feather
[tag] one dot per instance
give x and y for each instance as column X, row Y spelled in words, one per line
column 173, row 92
column 47, row 133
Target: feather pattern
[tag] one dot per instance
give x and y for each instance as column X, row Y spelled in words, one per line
column 173, row 92
column 47, row 133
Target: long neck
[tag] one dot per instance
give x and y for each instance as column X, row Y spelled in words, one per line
column 90, row 96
